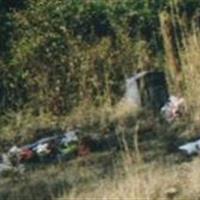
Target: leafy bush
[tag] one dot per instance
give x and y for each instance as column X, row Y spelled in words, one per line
column 58, row 53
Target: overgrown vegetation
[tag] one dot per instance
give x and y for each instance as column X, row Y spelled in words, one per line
column 63, row 64
column 55, row 54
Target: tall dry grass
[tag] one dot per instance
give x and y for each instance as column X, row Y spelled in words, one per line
column 147, row 182
column 190, row 61
column 182, row 58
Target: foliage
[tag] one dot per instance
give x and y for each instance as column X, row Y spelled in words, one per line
column 54, row 54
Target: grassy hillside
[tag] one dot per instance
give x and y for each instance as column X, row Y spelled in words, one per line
column 63, row 64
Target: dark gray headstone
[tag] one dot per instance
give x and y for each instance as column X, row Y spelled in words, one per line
column 147, row 89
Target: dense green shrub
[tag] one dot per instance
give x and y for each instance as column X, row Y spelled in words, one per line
column 57, row 53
